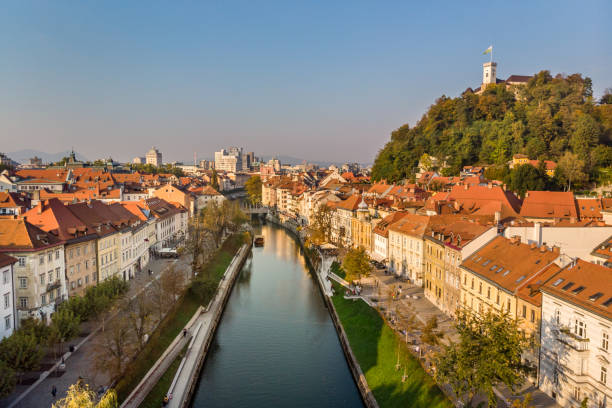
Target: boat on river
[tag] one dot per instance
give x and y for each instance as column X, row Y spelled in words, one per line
column 259, row 240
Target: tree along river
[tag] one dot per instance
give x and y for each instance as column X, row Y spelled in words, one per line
column 276, row 345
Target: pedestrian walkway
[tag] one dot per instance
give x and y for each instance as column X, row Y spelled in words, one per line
column 203, row 331
column 80, row 363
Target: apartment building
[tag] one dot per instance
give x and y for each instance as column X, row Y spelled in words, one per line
column 40, row 268
column 575, row 339
column 8, row 311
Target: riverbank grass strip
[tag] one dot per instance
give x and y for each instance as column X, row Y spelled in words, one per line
column 376, row 347
column 175, row 320
column 157, row 394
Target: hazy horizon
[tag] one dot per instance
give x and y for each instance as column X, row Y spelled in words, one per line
column 324, row 82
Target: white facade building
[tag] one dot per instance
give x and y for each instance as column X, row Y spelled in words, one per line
column 575, row 360
column 7, row 305
column 154, row 157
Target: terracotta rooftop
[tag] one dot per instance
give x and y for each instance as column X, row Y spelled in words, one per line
column 411, row 224
column 549, row 204
column 589, row 208
column 584, row 284
column 20, row 235
column 350, row 204
column 509, row 263
column 485, row 199
column 54, row 217
column 382, row 228
column 604, row 250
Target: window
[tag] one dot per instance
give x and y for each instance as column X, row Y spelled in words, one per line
column 580, row 328
column 80, row 283
column 497, row 300
column 604, row 374
column 509, row 304
column 532, row 316
column 5, row 277
column 57, row 273
column 78, row 251
column 50, row 274
column 86, row 279
column 558, row 282
column 7, row 300
column 22, row 261
column 57, row 254
column 605, row 337
column 23, row 302
column 488, row 292
column 42, row 278
column 41, row 260
column 557, row 316
column 524, row 311
column 43, row 299
column 23, row 283
column 472, row 283
column 577, row 394
column 72, row 284
column 71, row 253
column 50, row 256
column 50, row 296
column 7, row 322
column 480, row 288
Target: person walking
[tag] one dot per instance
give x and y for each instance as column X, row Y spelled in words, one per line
column 54, row 391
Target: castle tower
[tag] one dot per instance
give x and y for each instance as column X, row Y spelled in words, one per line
column 489, row 73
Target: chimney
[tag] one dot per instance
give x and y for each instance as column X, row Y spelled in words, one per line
column 556, row 249
column 537, row 233
column 526, row 194
column 497, row 217
column 573, row 220
column 465, row 186
column 39, row 208
column 533, row 245
column 504, row 187
column 490, row 185
column 543, row 248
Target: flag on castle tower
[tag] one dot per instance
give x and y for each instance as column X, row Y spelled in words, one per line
column 488, row 50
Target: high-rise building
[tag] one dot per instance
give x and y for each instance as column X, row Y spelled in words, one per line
column 154, row 157
column 248, row 160
column 230, row 160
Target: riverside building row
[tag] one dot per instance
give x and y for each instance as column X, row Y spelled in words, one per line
column 544, row 260
column 59, row 250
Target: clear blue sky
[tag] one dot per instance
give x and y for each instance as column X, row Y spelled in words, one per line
column 317, row 80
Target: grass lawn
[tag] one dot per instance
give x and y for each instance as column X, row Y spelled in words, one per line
column 174, row 322
column 158, row 392
column 376, row 347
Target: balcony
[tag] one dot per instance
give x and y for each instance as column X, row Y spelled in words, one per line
column 568, row 338
column 53, row 285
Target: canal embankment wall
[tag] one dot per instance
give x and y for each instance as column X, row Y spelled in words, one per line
column 199, row 333
column 186, row 378
column 312, row 259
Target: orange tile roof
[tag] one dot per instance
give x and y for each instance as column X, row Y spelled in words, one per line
column 411, row 224
column 531, row 292
column 382, row 228
column 509, row 264
column 56, row 175
column 13, row 200
column 54, row 217
column 604, row 250
column 476, row 197
column 549, row 204
column 20, row 235
column 584, row 284
column 589, row 208
column 350, row 204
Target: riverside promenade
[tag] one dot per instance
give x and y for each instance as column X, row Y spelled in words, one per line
column 204, row 327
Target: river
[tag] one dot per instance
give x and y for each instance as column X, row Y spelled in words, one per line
column 276, row 345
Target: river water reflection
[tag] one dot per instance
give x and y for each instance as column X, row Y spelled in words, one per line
column 276, row 345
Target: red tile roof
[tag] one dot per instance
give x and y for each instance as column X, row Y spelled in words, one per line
column 591, row 287
column 54, row 217
column 509, row 264
column 20, row 235
column 549, row 204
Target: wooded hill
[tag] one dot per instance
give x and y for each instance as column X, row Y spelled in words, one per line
column 544, row 119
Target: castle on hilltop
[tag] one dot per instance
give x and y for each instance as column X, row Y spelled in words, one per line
column 489, row 76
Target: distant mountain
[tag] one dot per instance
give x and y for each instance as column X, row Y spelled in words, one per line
column 24, row 156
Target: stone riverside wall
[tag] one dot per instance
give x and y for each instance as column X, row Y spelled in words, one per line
column 183, row 398
column 315, row 259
